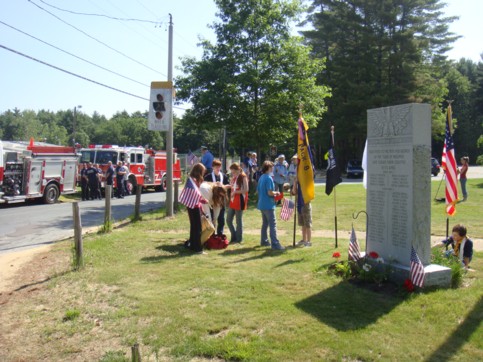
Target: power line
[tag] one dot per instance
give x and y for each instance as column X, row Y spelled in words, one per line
column 97, row 40
column 99, row 15
column 71, row 73
column 77, row 75
column 73, row 55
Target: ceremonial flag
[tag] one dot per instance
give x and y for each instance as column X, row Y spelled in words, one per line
column 192, row 159
column 305, row 168
column 417, row 269
column 190, row 195
column 333, row 177
column 448, row 163
column 354, row 251
column 288, row 207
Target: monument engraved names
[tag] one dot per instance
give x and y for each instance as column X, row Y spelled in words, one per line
column 399, row 185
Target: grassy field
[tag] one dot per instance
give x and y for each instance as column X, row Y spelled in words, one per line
column 242, row 303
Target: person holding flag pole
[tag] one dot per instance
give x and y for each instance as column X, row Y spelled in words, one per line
column 305, row 185
column 333, row 177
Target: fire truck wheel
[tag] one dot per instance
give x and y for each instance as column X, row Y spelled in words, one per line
column 162, row 186
column 51, row 194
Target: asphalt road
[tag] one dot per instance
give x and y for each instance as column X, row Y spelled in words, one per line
column 24, row 226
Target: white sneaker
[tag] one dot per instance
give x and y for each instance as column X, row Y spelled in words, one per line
column 307, row 243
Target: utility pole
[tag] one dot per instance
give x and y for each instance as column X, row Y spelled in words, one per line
column 74, row 124
column 169, row 136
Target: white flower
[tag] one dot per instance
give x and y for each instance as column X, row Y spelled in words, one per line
column 380, row 260
column 366, row 267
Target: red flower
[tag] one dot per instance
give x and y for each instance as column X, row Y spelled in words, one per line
column 408, row 285
column 374, row 255
column 336, row 254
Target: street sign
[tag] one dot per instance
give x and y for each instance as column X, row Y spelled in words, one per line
column 160, row 103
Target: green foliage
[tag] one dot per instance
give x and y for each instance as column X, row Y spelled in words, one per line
column 255, row 77
column 71, row 315
column 378, row 54
column 452, row 262
column 114, row 356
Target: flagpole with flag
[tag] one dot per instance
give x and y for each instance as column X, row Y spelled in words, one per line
column 333, row 177
column 448, row 163
column 305, row 168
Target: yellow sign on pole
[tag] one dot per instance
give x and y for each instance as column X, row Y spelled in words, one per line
column 160, row 106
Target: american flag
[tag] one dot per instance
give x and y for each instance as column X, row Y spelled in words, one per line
column 354, row 251
column 190, row 195
column 288, row 207
column 448, row 163
column 192, row 159
column 417, row 269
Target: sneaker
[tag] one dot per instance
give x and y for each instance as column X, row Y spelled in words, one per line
column 277, row 247
column 265, row 243
column 301, row 243
column 201, row 252
column 307, row 243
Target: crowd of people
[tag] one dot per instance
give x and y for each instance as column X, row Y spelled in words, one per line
column 224, row 199
column 91, row 176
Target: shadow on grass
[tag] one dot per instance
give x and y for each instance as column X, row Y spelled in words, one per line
column 170, row 252
column 346, row 307
column 480, row 186
column 267, row 253
column 460, row 336
column 289, row 262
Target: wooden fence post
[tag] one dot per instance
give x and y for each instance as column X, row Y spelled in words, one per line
column 136, row 356
column 107, row 210
column 176, row 187
column 79, row 258
column 137, row 205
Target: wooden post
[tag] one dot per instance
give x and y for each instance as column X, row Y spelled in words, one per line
column 136, row 356
column 176, row 189
column 79, row 259
column 137, row 206
column 107, row 211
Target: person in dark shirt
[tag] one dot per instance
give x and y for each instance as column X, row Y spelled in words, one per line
column 93, row 180
column 84, row 183
column 120, row 172
column 217, row 176
column 462, row 247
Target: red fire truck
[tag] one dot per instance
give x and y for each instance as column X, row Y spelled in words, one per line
column 36, row 170
column 147, row 168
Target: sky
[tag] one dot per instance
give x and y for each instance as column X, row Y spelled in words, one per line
column 132, row 53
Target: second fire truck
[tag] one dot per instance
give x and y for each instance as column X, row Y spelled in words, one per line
column 146, row 167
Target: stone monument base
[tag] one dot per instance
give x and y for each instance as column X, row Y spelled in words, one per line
column 434, row 275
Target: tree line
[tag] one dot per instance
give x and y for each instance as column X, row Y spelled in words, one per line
column 253, row 81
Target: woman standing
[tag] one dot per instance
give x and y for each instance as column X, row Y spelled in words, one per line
column 463, row 170
column 191, row 197
column 266, row 205
column 238, row 202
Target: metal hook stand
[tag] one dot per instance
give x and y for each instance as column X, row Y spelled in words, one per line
column 367, row 224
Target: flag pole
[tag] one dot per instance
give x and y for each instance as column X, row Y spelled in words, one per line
column 296, row 179
column 335, row 191
column 449, row 119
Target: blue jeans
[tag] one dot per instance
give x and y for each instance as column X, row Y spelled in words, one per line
column 463, row 187
column 268, row 219
column 236, row 234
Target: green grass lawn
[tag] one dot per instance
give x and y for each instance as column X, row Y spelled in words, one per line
column 250, row 303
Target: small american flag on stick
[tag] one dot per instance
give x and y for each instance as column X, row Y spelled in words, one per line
column 190, row 195
column 354, row 250
column 287, row 209
column 417, row 269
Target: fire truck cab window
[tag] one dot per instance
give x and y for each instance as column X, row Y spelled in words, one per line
column 124, row 157
column 103, row 157
column 139, row 158
column 87, row 156
column 133, row 158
